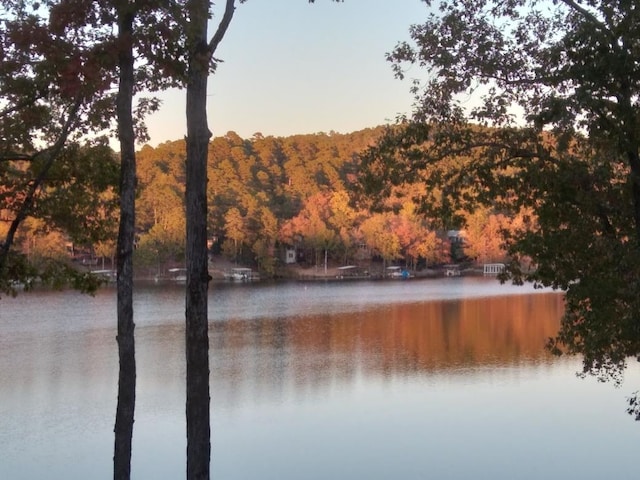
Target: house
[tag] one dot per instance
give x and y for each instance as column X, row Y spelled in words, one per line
column 290, row 256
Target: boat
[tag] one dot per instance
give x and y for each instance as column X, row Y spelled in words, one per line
column 106, row 275
column 241, row 274
column 396, row 272
column 451, row 270
column 178, row 274
column 351, row 272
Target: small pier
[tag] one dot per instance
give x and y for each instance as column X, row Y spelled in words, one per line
column 493, row 268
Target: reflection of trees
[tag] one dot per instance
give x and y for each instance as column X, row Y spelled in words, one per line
column 479, row 332
column 281, row 359
column 303, row 354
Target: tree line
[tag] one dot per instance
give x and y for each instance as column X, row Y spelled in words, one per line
column 268, row 193
column 265, row 194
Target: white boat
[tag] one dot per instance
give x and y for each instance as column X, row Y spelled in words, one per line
column 397, row 272
column 106, row 275
column 451, row 270
column 178, row 274
column 241, row 274
column 351, row 272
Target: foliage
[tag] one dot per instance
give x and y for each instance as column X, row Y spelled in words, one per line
column 57, row 73
column 258, row 180
column 377, row 232
column 80, row 194
column 246, row 207
column 261, row 203
column 530, row 110
column 76, row 204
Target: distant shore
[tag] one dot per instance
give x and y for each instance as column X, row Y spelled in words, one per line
column 220, row 267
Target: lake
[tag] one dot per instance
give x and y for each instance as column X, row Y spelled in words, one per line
column 438, row 379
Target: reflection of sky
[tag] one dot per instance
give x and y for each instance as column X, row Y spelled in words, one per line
column 438, row 389
column 333, row 297
column 444, row 428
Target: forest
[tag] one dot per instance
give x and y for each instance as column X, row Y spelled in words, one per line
column 265, row 194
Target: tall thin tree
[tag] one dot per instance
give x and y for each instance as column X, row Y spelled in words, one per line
column 123, row 430
column 200, row 62
column 201, row 51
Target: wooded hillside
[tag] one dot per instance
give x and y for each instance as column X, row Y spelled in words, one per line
column 269, row 194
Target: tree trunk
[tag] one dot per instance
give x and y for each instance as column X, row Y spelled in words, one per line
column 197, row 326
column 126, row 345
column 197, row 335
column 634, row 164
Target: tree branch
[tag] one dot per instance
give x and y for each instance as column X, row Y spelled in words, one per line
column 13, row 156
column 51, row 154
column 25, row 103
column 222, row 27
column 588, row 16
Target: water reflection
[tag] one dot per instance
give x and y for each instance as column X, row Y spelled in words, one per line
column 268, row 356
column 72, row 346
column 376, row 381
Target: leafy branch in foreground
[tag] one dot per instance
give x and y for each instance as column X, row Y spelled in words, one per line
column 531, row 108
column 54, row 90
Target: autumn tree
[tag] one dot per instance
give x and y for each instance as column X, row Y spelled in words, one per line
column 57, row 71
column 264, row 248
column 160, row 210
column 200, row 59
column 61, row 61
column 343, row 218
column 534, row 106
column 483, row 237
column 53, row 90
column 417, row 240
column 379, row 236
column 138, row 24
column 235, row 230
column 312, row 226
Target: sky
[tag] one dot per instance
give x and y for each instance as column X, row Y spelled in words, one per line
column 292, row 67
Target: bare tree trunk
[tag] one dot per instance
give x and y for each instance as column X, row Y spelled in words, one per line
column 126, row 344
column 634, row 163
column 197, row 327
column 197, row 334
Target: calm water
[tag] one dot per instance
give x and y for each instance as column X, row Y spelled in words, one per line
column 441, row 379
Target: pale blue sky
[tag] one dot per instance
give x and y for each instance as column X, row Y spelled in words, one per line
column 294, row 67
